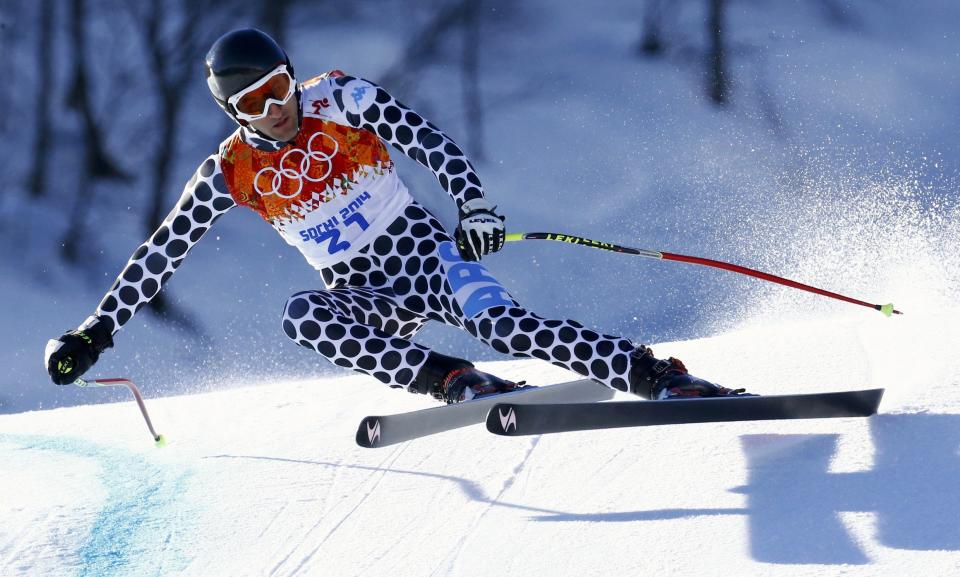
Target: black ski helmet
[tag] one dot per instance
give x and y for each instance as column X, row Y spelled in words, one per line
column 238, row 59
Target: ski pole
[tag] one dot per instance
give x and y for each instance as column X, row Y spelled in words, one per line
column 886, row 309
column 159, row 440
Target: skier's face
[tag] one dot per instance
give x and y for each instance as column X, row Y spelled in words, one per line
column 281, row 122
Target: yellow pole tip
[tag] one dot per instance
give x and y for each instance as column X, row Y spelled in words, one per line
column 887, row 309
column 161, row 441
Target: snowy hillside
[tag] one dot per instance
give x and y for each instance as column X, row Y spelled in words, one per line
column 267, row 480
column 835, row 163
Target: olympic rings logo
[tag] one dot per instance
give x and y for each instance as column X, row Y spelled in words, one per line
column 302, row 171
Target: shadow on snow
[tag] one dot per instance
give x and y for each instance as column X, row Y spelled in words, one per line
column 794, row 501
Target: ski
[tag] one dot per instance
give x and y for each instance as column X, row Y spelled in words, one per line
column 513, row 419
column 382, row 431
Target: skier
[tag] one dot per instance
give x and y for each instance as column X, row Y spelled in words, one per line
column 310, row 159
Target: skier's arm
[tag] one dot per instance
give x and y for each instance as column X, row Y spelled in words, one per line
column 368, row 106
column 204, row 200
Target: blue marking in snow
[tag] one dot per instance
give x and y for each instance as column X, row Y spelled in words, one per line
column 143, row 521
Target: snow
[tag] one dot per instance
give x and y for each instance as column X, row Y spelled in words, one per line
column 267, row 480
column 854, row 191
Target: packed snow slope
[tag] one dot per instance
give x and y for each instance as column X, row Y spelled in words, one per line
column 267, row 481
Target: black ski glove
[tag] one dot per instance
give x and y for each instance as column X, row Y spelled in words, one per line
column 481, row 230
column 70, row 356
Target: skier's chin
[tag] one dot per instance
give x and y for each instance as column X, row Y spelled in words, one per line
column 284, row 131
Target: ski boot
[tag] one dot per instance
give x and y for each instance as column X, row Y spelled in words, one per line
column 454, row 380
column 656, row 379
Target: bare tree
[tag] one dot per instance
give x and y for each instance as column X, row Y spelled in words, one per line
column 651, row 34
column 7, row 40
column 714, row 59
column 41, row 143
column 472, row 103
column 716, row 56
column 175, row 42
column 173, row 50
column 425, row 47
column 10, row 17
column 273, row 18
column 769, row 108
column 98, row 164
column 840, row 14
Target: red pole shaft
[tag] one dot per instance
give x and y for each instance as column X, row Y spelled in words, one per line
column 767, row 277
column 885, row 309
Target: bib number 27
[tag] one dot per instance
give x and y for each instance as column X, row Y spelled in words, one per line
column 333, row 234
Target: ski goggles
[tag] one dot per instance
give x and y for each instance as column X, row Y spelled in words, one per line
column 253, row 102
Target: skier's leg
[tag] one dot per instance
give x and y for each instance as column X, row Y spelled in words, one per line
column 515, row 331
column 358, row 329
column 613, row 361
column 369, row 307
column 489, row 313
column 414, row 273
column 472, row 299
column 394, row 282
column 417, row 261
column 378, row 300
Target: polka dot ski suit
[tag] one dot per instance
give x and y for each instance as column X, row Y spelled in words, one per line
column 387, row 263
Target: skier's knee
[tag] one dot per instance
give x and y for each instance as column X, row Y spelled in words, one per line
column 294, row 309
column 302, row 315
